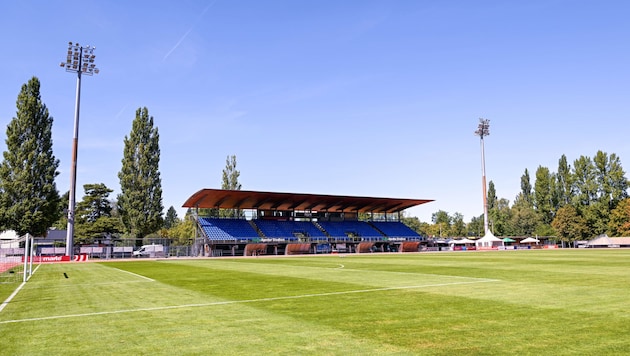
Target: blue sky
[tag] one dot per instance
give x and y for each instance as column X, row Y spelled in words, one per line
column 366, row 98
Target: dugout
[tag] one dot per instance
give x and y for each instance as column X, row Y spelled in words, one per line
column 245, row 223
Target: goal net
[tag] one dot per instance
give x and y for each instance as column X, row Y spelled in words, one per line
column 12, row 261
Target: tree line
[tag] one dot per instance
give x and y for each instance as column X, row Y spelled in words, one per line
column 29, row 199
column 576, row 202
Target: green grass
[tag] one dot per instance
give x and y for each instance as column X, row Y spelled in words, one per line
column 504, row 302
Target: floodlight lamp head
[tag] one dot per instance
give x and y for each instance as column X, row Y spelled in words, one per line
column 484, row 128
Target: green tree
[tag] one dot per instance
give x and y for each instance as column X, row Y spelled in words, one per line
column 230, row 182
column 524, row 219
column 526, row 189
column 475, row 226
column 569, row 225
column 493, row 204
column 171, row 218
column 543, row 194
column 94, row 215
column 498, row 212
column 564, row 182
column 458, row 227
column 619, row 223
column 611, row 179
column 493, row 201
column 500, row 218
column 442, row 222
column 584, row 185
column 140, row 201
column 29, row 200
column 183, row 232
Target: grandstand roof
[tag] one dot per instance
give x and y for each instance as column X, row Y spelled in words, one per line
column 244, row 199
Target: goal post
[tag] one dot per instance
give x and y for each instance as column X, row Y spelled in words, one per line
column 16, row 259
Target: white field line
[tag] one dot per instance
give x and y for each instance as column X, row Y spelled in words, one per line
column 242, row 301
column 134, row 274
column 8, row 300
column 15, row 292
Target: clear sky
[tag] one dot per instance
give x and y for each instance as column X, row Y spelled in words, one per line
column 365, row 98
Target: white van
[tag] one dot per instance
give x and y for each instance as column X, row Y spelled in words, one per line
column 151, row 251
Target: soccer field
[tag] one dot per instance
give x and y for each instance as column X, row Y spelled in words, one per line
column 550, row 302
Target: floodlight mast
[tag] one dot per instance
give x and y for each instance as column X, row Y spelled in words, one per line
column 482, row 131
column 80, row 60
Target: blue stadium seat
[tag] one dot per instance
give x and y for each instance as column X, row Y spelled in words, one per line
column 227, row 229
column 396, row 229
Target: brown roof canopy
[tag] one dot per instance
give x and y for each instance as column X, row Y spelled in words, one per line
column 244, row 199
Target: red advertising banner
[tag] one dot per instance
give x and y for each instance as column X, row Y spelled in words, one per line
column 77, row 258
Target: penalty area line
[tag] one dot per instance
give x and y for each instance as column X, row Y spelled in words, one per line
column 134, row 274
column 246, row 301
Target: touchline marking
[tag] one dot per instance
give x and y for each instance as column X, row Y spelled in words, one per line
column 134, row 274
column 241, row 301
column 15, row 292
column 8, row 300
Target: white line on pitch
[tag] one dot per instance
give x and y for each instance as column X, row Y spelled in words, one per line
column 240, row 301
column 134, row 274
column 15, row 292
column 8, row 300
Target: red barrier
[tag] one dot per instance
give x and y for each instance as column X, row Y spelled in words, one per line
column 77, row 258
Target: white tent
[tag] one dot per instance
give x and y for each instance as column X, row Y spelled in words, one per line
column 529, row 240
column 489, row 240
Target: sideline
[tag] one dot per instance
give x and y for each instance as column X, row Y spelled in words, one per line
column 16, row 291
column 271, row 299
column 134, row 274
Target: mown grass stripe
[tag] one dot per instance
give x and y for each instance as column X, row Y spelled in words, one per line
column 270, row 299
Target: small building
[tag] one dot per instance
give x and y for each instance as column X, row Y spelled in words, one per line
column 605, row 241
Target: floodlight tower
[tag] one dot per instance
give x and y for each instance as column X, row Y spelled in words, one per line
column 482, row 131
column 80, row 60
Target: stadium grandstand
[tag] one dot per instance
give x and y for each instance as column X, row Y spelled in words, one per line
column 266, row 223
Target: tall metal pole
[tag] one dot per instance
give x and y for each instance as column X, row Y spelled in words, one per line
column 73, row 169
column 482, row 131
column 80, row 60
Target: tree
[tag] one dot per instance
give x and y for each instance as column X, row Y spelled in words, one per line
column 475, row 226
column 95, row 203
column 524, row 219
column 619, row 223
column 584, row 185
column 492, row 196
column 29, row 200
column 140, row 201
column 543, row 194
column 171, row 218
column 230, row 181
column 526, row 188
column 493, row 204
column 183, row 232
column 458, row 227
column 500, row 217
column 564, row 182
column 442, row 221
column 498, row 212
column 611, row 179
column 569, row 225
column 94, row 217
